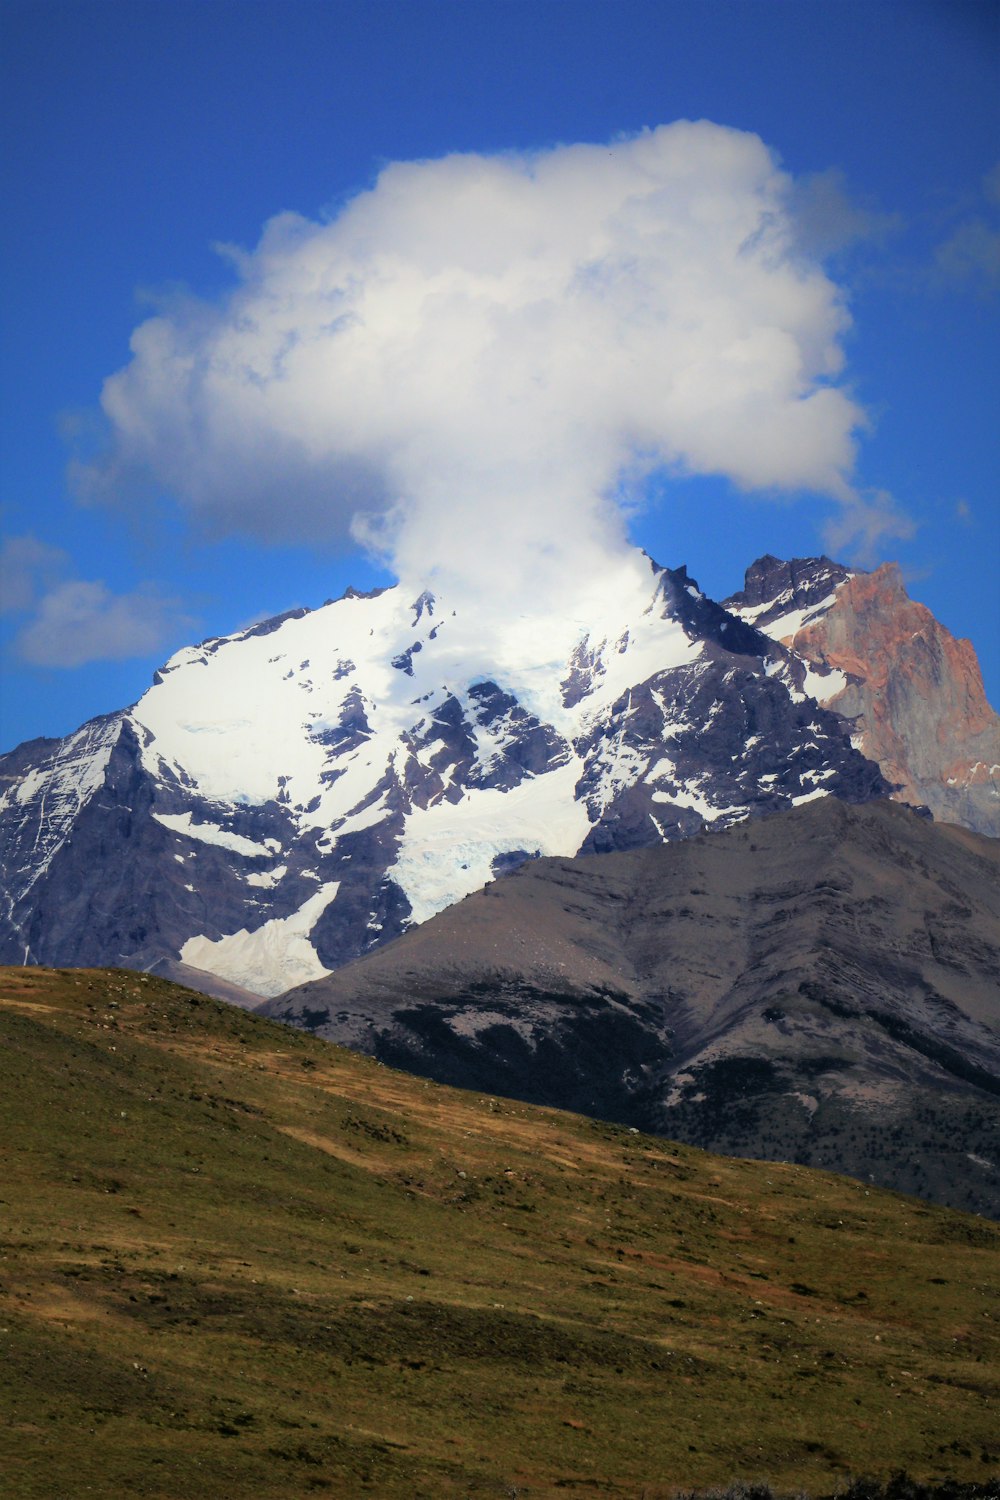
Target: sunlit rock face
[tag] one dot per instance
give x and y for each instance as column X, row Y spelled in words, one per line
column 286, row 798
column 913, row 693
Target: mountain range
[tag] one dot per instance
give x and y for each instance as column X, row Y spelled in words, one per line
column 287, row 798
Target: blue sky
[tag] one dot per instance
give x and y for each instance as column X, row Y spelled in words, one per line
column 139, row 137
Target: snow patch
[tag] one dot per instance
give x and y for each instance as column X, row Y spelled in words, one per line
column 688, row 797
column 447, row 850
column 273, row 957
column 210, row 833
column 268, row 878
column 785, row 626
column 823, row 686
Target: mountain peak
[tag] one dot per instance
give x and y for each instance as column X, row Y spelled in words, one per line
column 289, row 797
column 773, row 586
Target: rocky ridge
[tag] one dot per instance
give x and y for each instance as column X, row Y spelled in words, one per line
column 820, row 986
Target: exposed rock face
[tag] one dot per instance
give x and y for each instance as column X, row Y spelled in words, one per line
column 822, row 985
column 287, row 798
column 44, row 786
column 913, row 693
column 916, row 696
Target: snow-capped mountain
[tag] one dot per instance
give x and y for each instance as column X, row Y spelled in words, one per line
column 285, row 798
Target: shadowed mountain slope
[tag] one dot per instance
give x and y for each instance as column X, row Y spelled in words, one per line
column 821, row 986
column 239, row 1262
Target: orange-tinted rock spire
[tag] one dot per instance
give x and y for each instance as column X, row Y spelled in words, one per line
column 916, row 695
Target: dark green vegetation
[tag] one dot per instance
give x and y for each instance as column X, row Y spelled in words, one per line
column 238, row 1261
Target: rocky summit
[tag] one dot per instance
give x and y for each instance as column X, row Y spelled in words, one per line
column 284, row 799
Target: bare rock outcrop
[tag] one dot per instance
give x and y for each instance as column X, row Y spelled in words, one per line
column 910, row 693
column 915, row 694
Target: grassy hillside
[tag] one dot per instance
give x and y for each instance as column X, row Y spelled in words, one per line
column 238, row 1261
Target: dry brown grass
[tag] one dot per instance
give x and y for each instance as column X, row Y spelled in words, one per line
column 239, row 1262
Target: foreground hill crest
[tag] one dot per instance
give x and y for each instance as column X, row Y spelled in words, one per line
column 246, row 1263
column 286, row 798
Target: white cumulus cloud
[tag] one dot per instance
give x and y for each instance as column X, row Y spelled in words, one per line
column 476, row 362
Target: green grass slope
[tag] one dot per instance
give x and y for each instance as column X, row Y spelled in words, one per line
column 238, row 1261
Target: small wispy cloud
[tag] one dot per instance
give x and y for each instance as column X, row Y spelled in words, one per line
column 72, row 621
column 864, row 525
column 970, row 256
column 831, row 218
column 27, row 566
